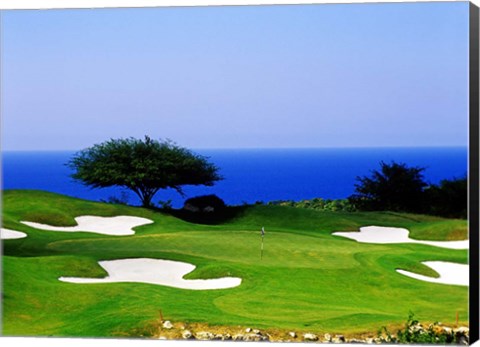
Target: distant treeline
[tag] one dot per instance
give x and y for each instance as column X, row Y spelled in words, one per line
column 397, row 187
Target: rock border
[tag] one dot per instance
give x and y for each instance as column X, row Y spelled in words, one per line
column 179, row 331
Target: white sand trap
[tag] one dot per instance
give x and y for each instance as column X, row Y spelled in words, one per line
column 155, row 271
column 375, row 234
column 450, row 273
column 119, row 225
column 7, row 234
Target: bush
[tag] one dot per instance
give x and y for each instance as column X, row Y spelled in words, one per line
column 204, row 203
column 448, row 199
column 414, row 332
column 397, row 187
column 317, row 204
column 394, row 187
column 165, row 205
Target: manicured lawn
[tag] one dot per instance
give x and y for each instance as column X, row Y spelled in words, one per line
column 308, row 280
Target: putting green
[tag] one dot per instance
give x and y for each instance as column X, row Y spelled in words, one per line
column 307, row 279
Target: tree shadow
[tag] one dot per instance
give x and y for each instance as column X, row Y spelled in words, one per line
column 219, row 216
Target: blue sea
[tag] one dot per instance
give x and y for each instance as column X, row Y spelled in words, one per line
column 250, row 175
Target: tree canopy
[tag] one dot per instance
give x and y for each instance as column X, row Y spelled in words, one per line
column 449, row 198
column 395, row 187
column 142, row 166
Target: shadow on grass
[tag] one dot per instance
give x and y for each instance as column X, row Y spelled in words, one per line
column 210, row 218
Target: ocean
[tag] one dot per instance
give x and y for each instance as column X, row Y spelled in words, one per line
column 250, row 175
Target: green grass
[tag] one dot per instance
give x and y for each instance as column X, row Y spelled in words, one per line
column 308, row 280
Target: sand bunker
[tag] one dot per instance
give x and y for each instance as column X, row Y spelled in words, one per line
column 155, row 271
column 375, row 234
column 450, row 273
column 118, row 226
column 7, row 234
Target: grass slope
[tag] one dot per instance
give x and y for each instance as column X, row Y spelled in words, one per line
column 307, row 280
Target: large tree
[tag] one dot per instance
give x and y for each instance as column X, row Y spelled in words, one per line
column 395, row 187
column 143, row 166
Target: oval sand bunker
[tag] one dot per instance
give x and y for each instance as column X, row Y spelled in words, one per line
column 118, row 226
column 155, row 271
column 450, row 273
column 7, row 234
column 375, row 234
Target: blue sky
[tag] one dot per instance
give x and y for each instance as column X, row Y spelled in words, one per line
column 367, row 75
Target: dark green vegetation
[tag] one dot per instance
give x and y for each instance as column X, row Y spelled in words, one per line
column 144, row 167
column 413, row 332
column 308, row 279
column 205, row 203
column 448, row 199
column 318, row 204
column 397, row 187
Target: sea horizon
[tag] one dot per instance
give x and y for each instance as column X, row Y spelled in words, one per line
column 250, row 175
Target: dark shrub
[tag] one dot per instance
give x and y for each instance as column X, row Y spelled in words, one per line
column 416, row 333
column 395, row 187
column 449, row 198
column 204, row 203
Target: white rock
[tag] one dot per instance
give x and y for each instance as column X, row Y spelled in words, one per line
column 338, row 339
column 186, row 334
column 416, row 328
column 253, row 337
column 225, row 336
column 204, row 335
column 237, row 337
column 356, row 341
column 462, row 330
column 167, row 324
column 310, row 337
column 447, row 330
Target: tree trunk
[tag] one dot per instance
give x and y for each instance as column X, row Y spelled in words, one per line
column 146, row 195
column 146, row 202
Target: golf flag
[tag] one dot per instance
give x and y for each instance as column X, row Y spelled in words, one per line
column 263, row 231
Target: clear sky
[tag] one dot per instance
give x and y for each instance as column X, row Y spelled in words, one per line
column 225, row 77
